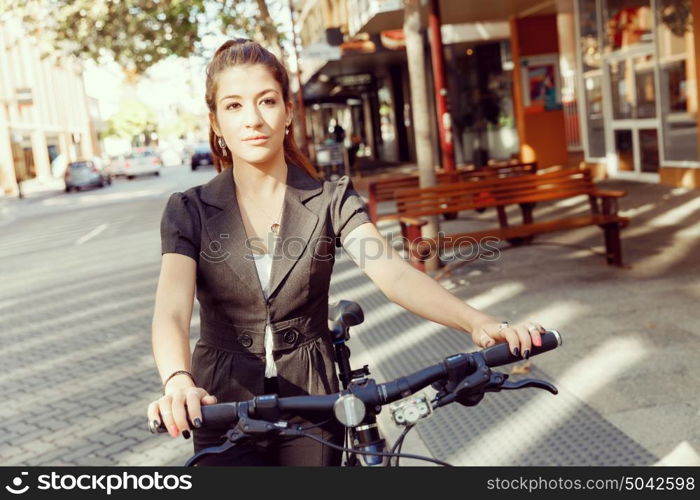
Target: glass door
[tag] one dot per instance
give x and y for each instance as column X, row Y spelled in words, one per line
column 632, row 141
column 633, row 117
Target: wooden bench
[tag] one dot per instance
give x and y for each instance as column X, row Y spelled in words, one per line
column 383, row 189
column 525, row 191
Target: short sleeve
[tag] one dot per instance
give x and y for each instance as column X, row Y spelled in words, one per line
column 179, row 227
column 348, row 209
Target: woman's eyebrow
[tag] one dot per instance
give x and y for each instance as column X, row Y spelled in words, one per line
column 257, row 95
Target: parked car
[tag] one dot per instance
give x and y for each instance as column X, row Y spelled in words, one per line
column 142, row 161
column 201, row 156
column 116, row 166
column 170, row 157
column 85, row 173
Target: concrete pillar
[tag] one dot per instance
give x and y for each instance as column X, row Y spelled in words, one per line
column 65, row 142
column 40, row 152
column 8, row 179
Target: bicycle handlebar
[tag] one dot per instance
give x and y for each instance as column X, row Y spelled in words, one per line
column 372, row 395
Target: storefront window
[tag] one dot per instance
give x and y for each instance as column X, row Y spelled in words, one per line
column 677, row 82
column 594, row 115
column 22, row 156
column 624, row 146
column 591, row 62
column 589, row 35
column 649, row 150
column 627, row 23
column 632, row 88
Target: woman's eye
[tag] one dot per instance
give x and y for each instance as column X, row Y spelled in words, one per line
column 233, row 105
column 269, row 101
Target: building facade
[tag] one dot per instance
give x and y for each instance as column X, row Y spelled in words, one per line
column 44, row 114
column 612, row 83
column 639, row 94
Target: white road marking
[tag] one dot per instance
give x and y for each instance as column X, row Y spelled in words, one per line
column 91, row 234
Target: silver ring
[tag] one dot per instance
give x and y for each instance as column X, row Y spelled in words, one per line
column 532, row 327
column 503, row 325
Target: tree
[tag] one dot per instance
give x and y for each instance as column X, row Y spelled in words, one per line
column 139, row 33
column 131, row 121
column 419, row 106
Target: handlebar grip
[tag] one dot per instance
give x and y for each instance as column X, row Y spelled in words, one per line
column 500, row 354
column 219, row 414
column 216, row 415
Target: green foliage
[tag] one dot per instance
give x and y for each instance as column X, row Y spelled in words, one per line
column 136, row 33
column 139, row 33
column 184, row 123
column 132, row 119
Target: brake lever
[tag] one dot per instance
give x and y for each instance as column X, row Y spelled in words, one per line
column 529, row 382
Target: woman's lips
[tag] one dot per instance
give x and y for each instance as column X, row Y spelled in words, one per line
column 257, row 140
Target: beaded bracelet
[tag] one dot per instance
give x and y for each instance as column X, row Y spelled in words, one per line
column 178, row 372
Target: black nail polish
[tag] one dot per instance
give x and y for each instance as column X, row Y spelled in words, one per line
column 516, row 351
column 197, row 423
column 526, row 353
column 186, row 434
column 155, row 426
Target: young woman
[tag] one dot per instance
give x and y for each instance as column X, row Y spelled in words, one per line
column 257, row 243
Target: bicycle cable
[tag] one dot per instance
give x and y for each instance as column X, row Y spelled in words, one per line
column 375, row 453
column 314, row 426
column 399, row 444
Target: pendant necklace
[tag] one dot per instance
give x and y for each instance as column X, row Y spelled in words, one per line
column 275, row 226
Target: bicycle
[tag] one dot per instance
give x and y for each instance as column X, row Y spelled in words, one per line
column 461, row 378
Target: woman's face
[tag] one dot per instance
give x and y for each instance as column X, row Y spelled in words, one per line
column 251, row 114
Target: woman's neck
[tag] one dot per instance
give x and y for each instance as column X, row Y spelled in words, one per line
column 260, row 180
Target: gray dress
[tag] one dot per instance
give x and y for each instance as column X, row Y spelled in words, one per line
column 205, row 223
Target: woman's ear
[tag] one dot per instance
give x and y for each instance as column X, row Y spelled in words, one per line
column 214, row 124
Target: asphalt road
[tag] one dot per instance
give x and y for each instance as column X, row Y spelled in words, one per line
column 78, row 276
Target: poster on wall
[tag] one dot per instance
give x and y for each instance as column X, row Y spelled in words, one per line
column 541, row 83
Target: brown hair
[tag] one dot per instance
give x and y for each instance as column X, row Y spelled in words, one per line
column 241, row 51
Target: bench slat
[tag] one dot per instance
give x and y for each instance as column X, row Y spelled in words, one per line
column 534, row 228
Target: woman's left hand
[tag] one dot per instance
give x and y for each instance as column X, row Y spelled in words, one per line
column 520, row 336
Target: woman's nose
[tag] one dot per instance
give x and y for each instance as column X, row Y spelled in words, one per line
column 252, row 116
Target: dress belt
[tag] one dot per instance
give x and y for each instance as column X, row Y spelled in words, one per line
column 287, row 334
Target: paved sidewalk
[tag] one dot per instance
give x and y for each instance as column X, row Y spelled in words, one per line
column 33, row 191
column 627, row 372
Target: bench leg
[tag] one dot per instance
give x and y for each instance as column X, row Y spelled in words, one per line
column 502, row 216
column 412, row 244
column 450, row 215
column 613, row 247
column 419, row 251
column 527, row 210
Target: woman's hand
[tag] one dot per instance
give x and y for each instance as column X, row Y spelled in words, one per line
column 520, row 337
column 180, row 400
